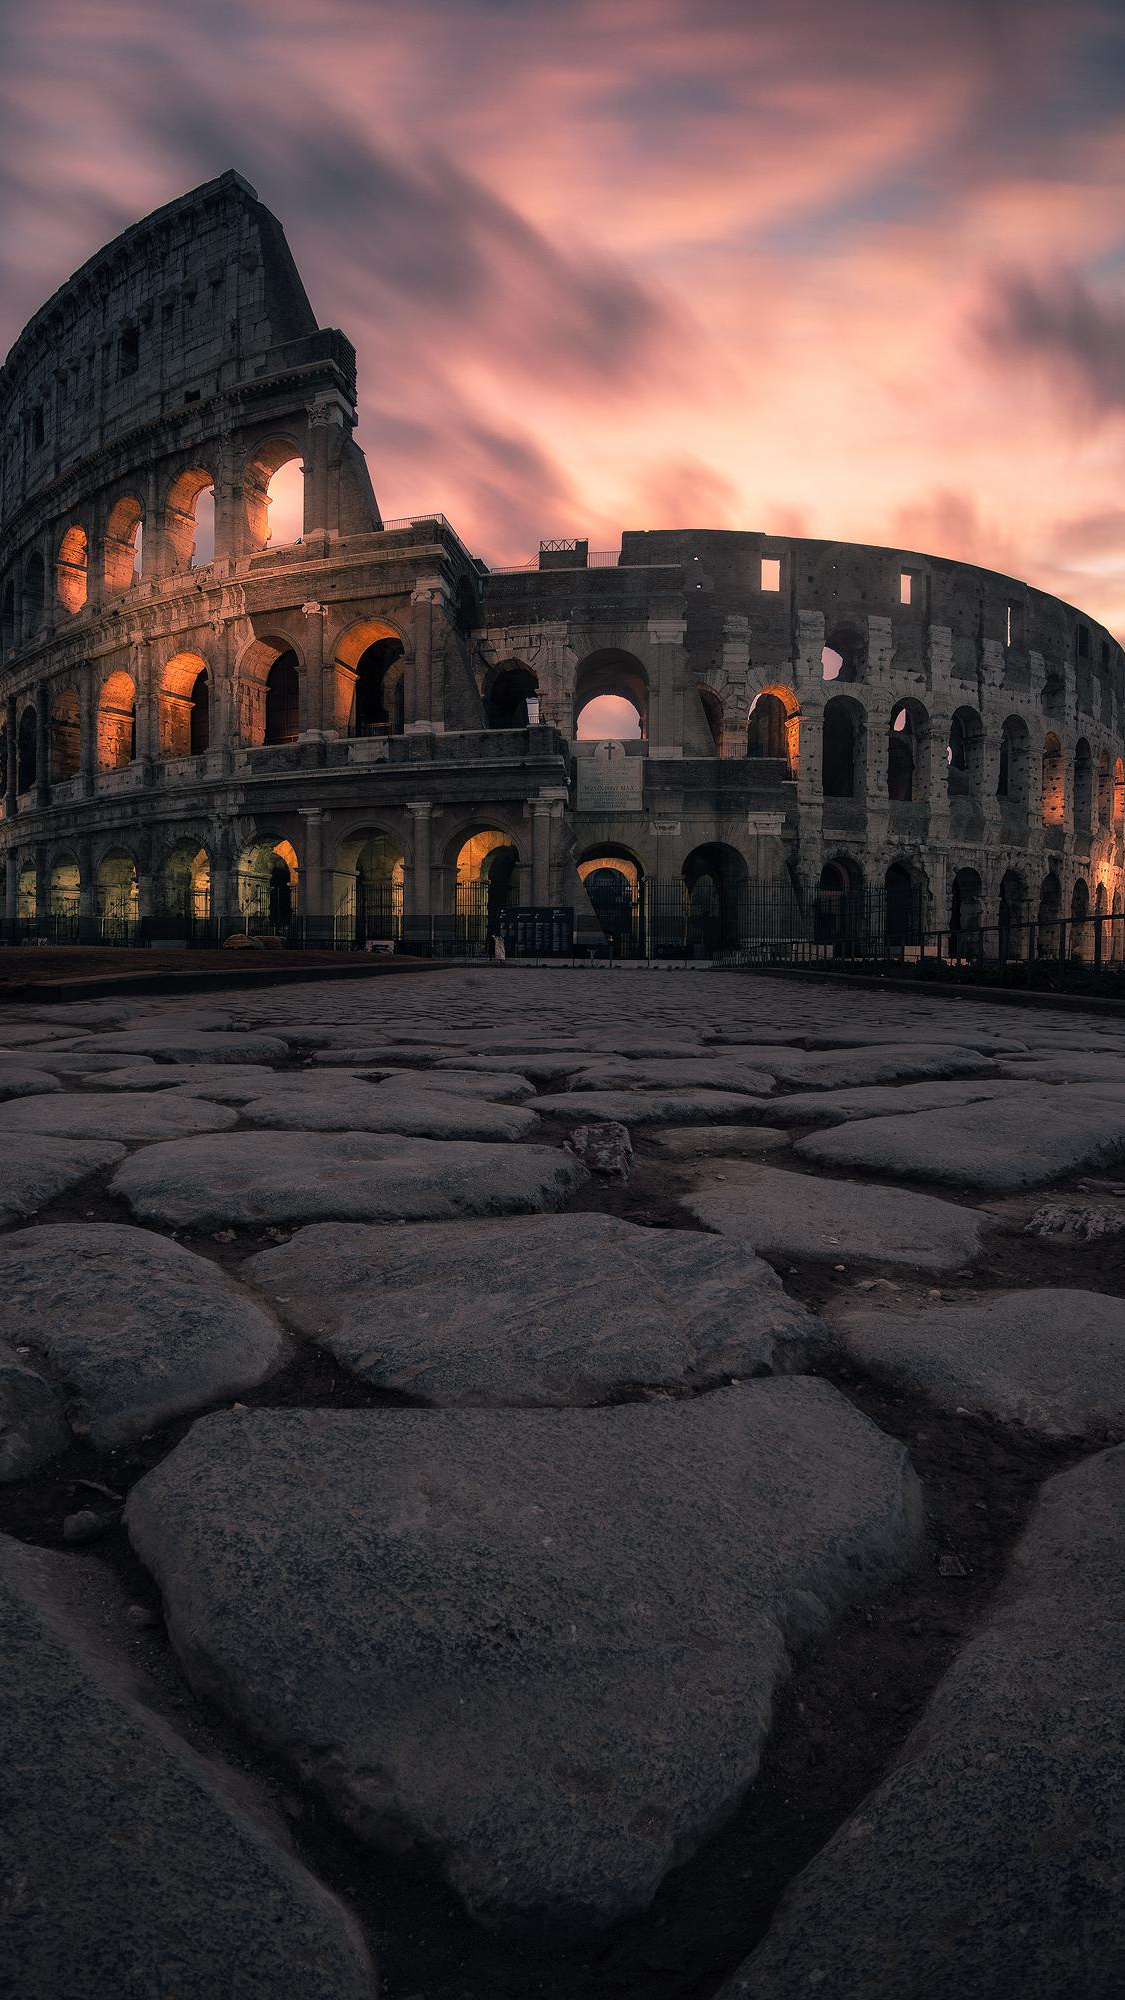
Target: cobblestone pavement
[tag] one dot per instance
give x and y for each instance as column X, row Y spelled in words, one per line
column 568, row 1483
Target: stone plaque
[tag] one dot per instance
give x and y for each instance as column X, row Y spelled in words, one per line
column 610, row 781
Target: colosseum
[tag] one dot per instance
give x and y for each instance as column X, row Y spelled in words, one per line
column 360, row 731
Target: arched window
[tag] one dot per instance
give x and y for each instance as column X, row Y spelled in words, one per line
column 842, row 775
column 123, row 535
column 283, row 700
column 189, row 519
column 1050, row 905
column 1054, row 798
column 380, row 690
column 906, row 751
column 713, row 710
column 71, row 570
column 903, row 904
column 844, row 655
column 370, row 875
column 27, row 762
column 117, row 723
column 200, row 714
column 1012, row 774
column 65, row 886
column 963, row 754
column 1081, row 941
column 1083, row 787
column 274, row 488
column 610, row 697
column 66, row 735
column 267, row 885
column 1105, row 794
column 766, row 734
column 966, row 915
column 1011, row 912
column 183, row 730
column 508, row 697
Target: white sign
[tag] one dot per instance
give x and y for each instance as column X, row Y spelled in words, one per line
column 610, row 781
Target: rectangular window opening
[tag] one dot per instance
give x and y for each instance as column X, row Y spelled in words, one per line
column 771, row 572
column 905, row 587
column 128, row 352
column 1008, row 625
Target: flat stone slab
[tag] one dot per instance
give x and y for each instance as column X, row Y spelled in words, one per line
column 135, row 1867
column 987, row 1862
column 841, row 1069
column 796, row 1215
column 66, row 1062
column 473, row 1083
column 1000, row 1144
column 650, row 1107
column 698, row 1073
column 690, row 1142
column 1051, row 1361
column 540, row 1069
column 138, row 1330
column 266, row 1177
column 172, row 1045
column 133, row 1118
column 554, row 1309
column 541, row 1645
column 363, row 1107
column 1081, row 1066
column 32, row 1426
column 881, row 1100
column 224, row 1083
column 18, row 1078
column 39, row 1169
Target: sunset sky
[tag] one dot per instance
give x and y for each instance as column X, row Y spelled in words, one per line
column 829, row 267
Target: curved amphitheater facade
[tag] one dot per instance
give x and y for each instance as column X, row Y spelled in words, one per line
column 364, row 731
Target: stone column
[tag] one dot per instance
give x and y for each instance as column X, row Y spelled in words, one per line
column 42, row 745
column 87, row 887
column 665, row 714
column 11, row 885
column 146, row 745
column 10, row 785
column 88, row 733
column 312, row 687
column 421, row 879
column 322, row 456
column 316, row 906
column 42, row 888
column 421, row 710
column 540, row 852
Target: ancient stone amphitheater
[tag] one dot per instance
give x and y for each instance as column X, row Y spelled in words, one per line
column 356, row 729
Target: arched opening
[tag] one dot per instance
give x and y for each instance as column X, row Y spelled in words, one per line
column 612, row 879
column 838, row 905
column 117, row 893
column 714, row 878
column 963, row 754
column 1012, row 776
column 713, row 710
column 200, row 731
column 8, row 616
column 283, row 700
column 123, row 538
column 509, row 694
column 370, row 875
column 27, row 892
column 65, row 735
column 117, row 723
column 1047, row 919
column 844, row 654
column 380, row 690
column 1103, row 929
column 1054, row 791
column 1116, row 942
column 274, row 490
column 1083, row 787
column 34, row 594
column 610, row 697
column 903, row 904
column 773, row 728
column 966, row 915
column 65, row 888
column 842, row 750
column 1054, row 697
column 267, row 886
column 906, row 754
column 1105, row 795
column 176, row 717
column 71, row 571
column 1081, row 942
column 1011, row 913
column 487, row 883
column 183, row 886
column 189, row 519
column 27, row 761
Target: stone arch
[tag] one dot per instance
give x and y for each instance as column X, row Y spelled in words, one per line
column 117, row 889
column 908, row 742
column 612, row 877
column 369, row 877
column 842, row 751
column 511, row 696
column 183, row 881
column 189, row 519
column 72, row 570
column 838, row 900
column 1011, row 912
column 252, row 680
column 1105, row 795
column 1054, row 697
column 27, row 750
column 1081, row 941
column 486, row 866
column 184, row 686
column 964, row 754
column 712, row 707
column 124, row 535
column 369, row 679
column 904, row 903
column 65, row 734
column 65, row 885
column 1013, row 780
column 27, row 889
column 267, row 878
column 1083, row 787
column 261, row 468
column 966, row 914
column 714, row 877
column 773, row 727
column 844, row 654
column 1047, row 916
column 117, row 722
column 618, row 683
column 1054, row 784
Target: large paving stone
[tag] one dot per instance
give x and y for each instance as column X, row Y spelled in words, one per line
column 552, row 1068
column 68, row 1062
column 363, row 1107
column 988, row 1863
column 38, row 1169
column 137, row 1329
column 650, row 1107
column 794, row 1215
column 882, row 1100
column 19, row 1078
column 911, row 1062
column 541, row 1644
column 133, row 1117
column 32, row 1426
column 268, row 1177
column 474, row 1083
column 1001, row 1144
column 705, row 1072
column 556, row 1309
column 189, row 1045
column 224, row 1083
column 1081, row 1066
column 136, row 1869
column 1051, row 1360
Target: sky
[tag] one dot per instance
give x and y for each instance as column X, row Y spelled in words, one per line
column 841, row 268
